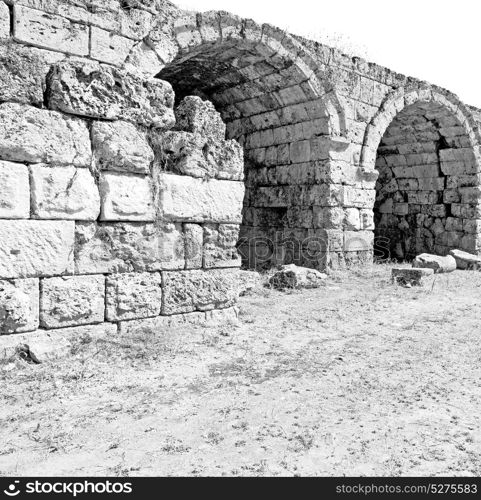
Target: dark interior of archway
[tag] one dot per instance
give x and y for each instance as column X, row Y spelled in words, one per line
column 424, row 160
column 261, row 96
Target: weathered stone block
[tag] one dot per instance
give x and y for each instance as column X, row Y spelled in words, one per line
column 64, row 193
column 72, row 300
column 445, row 264
column 193, row 200
column 32, row 135
column 19, row 301
column 50, row 31
column 104, row 92
column 465, row 260
column 36, row 248
column 412, row 277
column 188, row 291
column 358, row 241
column 220, row 242
column 133, row 296
column 14, row 191
column 126, row 197
column 122, row 147
column 292, row 276
column 127, row 247
column 4, row 21
column 109, row 47
column 194, row 243
column 199, row 117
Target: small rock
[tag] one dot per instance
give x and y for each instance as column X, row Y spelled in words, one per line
column 438, row 264
column 412, row 277
column 292, row 276
column 465, row 260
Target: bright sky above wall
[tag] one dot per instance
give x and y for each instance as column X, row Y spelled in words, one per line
column 433, row 40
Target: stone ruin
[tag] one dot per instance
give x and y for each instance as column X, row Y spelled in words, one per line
column 146, row 152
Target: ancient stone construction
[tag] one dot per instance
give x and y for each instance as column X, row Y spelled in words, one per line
column 145, row 150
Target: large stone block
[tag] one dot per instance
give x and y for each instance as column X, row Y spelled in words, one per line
column 194, row 242
column 14, row 191
column 39, row 29
column 71, row 301
column 109, row 47
column 64, row 193
column 133, row 296
column 220, row 242
column 465, row 260
column 36, row 248
column 126, row 197
column 194, row 200
column 104, row 92
column 127, row 247
column 4, row 21
column 32, row 135
column 440, row 264
column 122, row 147
column 188, row 291
column 19, row 301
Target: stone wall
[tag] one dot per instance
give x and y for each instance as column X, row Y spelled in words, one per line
column 136, row 139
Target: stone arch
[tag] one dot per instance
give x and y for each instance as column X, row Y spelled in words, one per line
column 425, row 145
column 267, row 87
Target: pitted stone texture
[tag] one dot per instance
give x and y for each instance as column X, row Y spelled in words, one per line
column 194, row 200
column 19, row 306
column 50, row 31
column 133, row 296
column 103, row 92
column 121, row 146
column 34, row 135
column 465, row 260
column 109, row 47
column 4, row 21
column 412, row 277
column 128, row 247
column 36, row 248
column 199, row 156
column 439, row 264
column 292, row 276
column 220, row 245
column 14, row 191
column 126, row 197
column 47, row 345
column 64, row 193
column 199, row 117
column 188, row 291
column 194, row 242
column 71, row 301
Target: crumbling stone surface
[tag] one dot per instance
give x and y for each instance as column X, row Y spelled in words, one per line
column 292, row 276
column 445, row 264
column 412, row 277
column 19, row 309
column 14, row 191
column 465, row 260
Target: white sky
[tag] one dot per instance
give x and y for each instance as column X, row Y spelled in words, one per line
column 434, row 40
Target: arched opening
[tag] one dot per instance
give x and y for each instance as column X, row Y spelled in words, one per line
column 427, row 195
column 273, row 106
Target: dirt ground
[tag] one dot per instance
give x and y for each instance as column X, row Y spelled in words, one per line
column 360, row 377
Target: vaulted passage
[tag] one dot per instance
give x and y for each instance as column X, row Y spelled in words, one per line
column 426, row 200
column 274, row 110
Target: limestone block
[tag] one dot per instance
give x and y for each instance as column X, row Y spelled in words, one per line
column 44, row 345
column 292, row 276
column 14, row 191
column 352, row 219
column 71, row 301
column 194, row 200
column 143, row 59
column 358, row 198
column 188, row 291
column 199, row 117
column 133, row 296
column 465, row 260
column 19, row 301
column 438, row 264
column 109, row 47
column 358, row 241
column 220, row 242
column 122, row 147
column 127, row 247
column 412, row 277
column 49, row 31
column 194, row 245
column 4, row 21
column 64, row 193
column 136, row 23
column 36, row 248
column 126, row 197
column 32, row 135
column 99, row 91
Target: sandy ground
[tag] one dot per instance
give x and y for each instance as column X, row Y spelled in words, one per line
column 360, row 377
